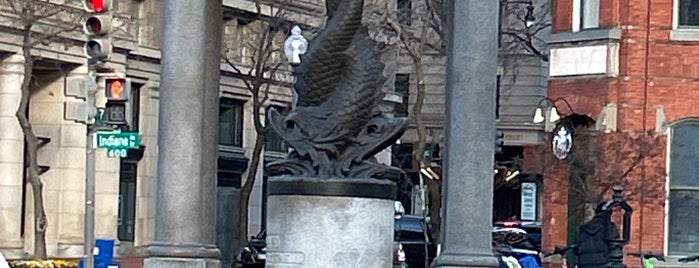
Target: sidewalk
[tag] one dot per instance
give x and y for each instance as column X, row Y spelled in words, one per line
column 131, row 262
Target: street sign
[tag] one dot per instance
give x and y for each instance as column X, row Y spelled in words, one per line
column 529, row 202
column 118, row 140
column 117, row 153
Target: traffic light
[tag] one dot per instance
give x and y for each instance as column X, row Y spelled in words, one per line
column 117, row 91
column 98, row 25
column 499, row 142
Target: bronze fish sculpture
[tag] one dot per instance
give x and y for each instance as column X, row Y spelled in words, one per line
column 335, row 127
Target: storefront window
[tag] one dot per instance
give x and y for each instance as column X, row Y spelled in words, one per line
column 684, row 189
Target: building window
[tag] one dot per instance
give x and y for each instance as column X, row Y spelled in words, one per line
column 585, row 14
column 405, row 12
column 128, row 174
column 230, row 122
column 687, row 13
column 149, row 22
column 402, row 86
column 684, row 189
column 498, row 93
column 274, row 142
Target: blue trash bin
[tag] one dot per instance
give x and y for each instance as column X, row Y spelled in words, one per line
column 105, row 254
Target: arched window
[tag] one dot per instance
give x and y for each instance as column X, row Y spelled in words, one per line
column 684, row 189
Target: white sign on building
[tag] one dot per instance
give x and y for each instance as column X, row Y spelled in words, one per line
column 584, row 60
column 528, row 201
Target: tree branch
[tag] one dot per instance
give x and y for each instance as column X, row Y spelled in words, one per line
column 528, row 44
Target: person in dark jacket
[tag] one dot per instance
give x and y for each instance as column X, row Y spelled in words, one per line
column 593, row 240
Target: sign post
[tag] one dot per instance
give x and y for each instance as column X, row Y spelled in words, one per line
column 117, row 143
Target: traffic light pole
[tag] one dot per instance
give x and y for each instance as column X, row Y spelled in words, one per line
column 98, row 47
column 89, row 196
column 89, row 228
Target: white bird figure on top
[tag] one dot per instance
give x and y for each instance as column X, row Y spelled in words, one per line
column 295, row 46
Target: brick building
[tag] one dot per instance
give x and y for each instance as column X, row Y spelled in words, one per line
column 632, row 67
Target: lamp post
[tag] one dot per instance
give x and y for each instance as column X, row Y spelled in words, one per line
column 294, row 46
column 616, row 246
column 529, row 18
column 551, row 114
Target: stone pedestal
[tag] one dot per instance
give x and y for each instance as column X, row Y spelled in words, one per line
column 341, row 223
column 182, row 256
column 181, row 263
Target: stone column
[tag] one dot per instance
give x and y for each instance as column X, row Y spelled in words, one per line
column 11, row 155
column 341, row 223
column 187, row 136
column 470, row 135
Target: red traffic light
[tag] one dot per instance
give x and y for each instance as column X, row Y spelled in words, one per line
column 117, row 89
column 99, row 6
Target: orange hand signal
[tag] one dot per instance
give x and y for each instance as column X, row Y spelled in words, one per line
column 116, row 89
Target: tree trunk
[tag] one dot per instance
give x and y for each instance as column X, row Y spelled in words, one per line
column 246, row 189
column 32, row 143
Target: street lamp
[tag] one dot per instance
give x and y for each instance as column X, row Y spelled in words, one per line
column 551, row 113
column 295, row 46
column 529, row 18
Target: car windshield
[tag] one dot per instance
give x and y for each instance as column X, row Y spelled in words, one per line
column 514, row 239
column 409, row 229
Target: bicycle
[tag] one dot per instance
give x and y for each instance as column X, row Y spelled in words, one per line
column 647, row 257
column 561, row 250
column 689, row 259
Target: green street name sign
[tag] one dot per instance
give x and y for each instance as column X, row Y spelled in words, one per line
column 118, row 140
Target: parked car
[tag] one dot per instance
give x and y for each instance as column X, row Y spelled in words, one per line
column 533, row 228
column 413, row 234
column 254, row 252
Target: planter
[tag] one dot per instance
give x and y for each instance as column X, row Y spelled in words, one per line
column 44, row 263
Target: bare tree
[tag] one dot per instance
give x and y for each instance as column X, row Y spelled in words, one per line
column 420, row 28
column 599, row 161
column 259, row 67
column 604, row 160
column 41, row 22
column 522, row 27
column 419, row 31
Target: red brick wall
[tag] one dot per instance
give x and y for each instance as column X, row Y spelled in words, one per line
column 555, row 215
column 608, row 13
column 562, row 12
column 562, row 15
column 653, row 72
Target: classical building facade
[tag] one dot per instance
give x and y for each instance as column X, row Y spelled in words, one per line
column 125, row 188
column 631, row 68
column 521, row 86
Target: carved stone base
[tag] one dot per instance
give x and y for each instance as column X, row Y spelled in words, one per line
column 310, row 227
column 446, row 260
column 181, row 263
column 182, row 256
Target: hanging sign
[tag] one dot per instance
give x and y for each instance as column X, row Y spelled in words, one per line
column 562, row 141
